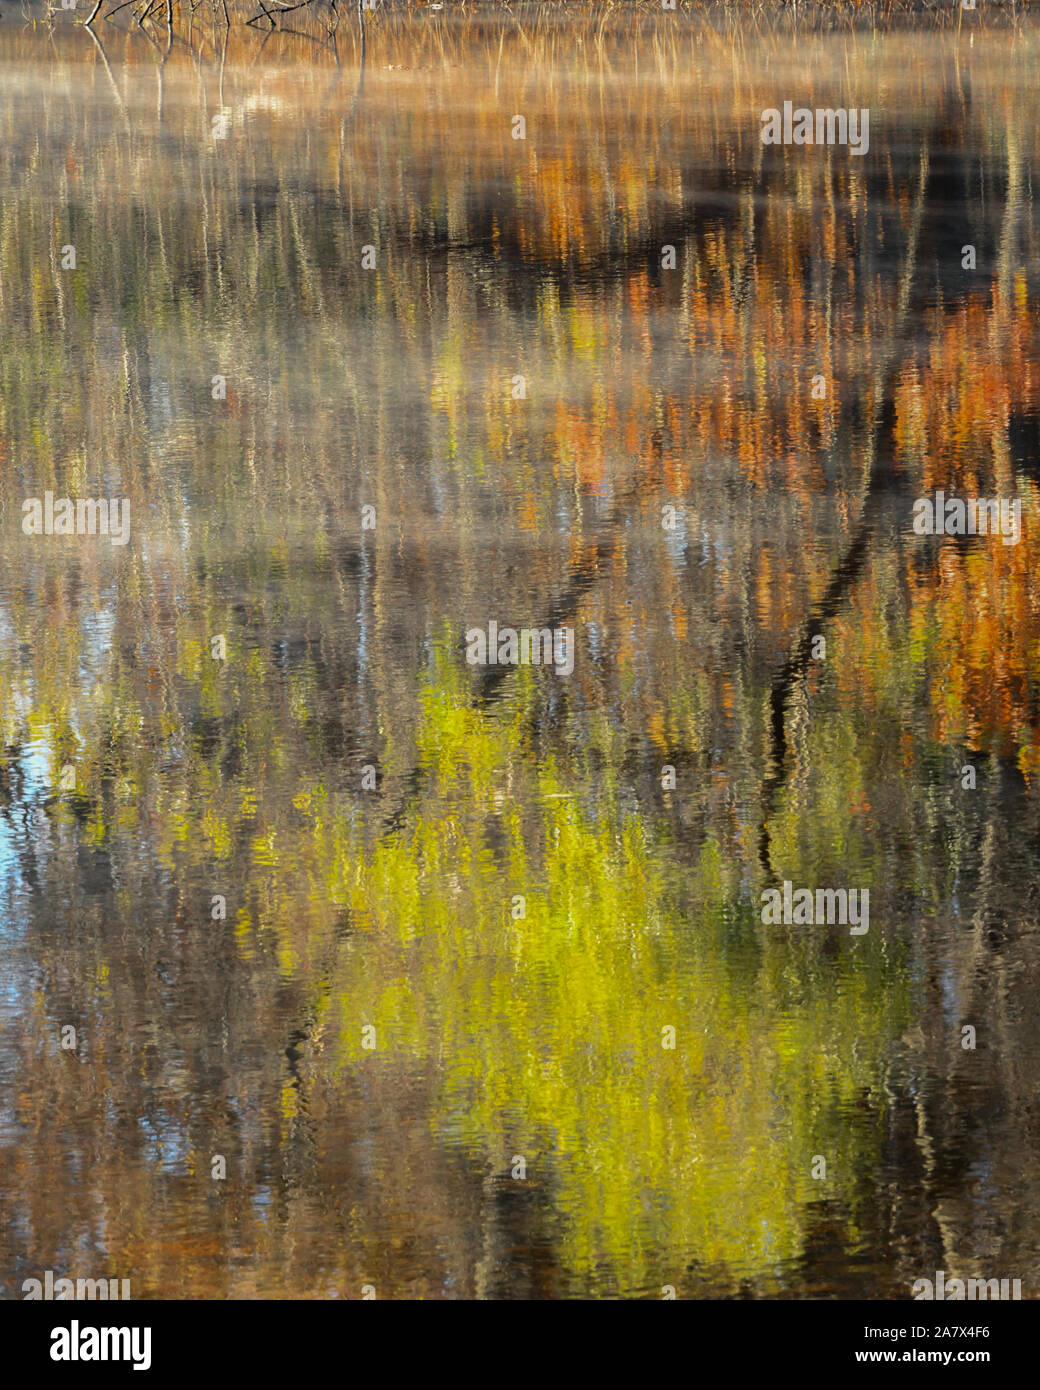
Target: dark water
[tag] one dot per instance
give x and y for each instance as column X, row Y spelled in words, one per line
column 411, row 1085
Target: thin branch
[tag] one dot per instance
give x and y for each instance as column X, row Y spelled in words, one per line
column 851, row 563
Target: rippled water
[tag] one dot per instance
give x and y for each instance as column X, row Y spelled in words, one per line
column 463, row 906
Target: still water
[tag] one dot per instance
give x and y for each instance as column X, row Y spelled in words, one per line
column 370, row 956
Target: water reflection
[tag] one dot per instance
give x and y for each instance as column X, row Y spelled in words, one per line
column 265, row 863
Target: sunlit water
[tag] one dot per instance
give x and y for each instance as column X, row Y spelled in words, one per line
column 462, row 907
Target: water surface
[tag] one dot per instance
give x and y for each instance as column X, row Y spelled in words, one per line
column 369, row 807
